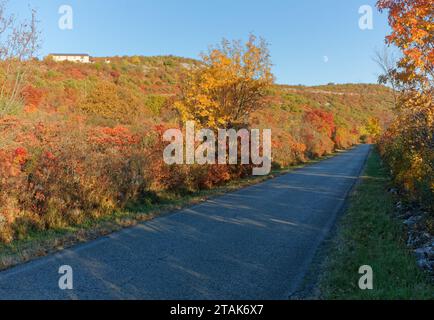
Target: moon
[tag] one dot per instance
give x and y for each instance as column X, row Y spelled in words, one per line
column 326, row 59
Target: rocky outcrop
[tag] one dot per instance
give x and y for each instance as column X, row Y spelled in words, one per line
column 420, row 238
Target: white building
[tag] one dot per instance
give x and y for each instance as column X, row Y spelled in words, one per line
column 72, row 57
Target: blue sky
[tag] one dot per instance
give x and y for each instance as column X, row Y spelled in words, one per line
column 301, row 33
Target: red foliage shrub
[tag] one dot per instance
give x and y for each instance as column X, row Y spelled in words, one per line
column 318, row 132
column 322, row 121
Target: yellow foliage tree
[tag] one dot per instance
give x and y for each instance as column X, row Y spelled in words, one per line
column 230, row 84
column 372, row 129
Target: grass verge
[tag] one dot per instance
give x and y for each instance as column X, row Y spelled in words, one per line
column 369, row 234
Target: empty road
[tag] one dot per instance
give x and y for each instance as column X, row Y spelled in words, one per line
column 256, row 243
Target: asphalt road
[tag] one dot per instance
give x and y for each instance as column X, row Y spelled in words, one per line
column 256, row 243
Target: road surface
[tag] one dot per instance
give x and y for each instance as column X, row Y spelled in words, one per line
column 256, row 243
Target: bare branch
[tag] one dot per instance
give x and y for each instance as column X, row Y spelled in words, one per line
column 19, row 43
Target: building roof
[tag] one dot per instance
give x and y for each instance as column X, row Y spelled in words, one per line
column 69, row 54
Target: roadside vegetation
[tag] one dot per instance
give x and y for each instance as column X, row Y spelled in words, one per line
column 371, row 234
column 408, row 144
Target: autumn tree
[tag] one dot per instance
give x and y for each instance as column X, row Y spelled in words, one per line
column 412, row 23
column 387, row 62
column 408, row 145
column 19, row 43
column 230, row 84
column 372, row 130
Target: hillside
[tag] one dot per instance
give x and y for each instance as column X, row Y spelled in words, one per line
column 132, row 90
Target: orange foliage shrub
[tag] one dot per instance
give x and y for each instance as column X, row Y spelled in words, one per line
column 58, row 174
column 318, row 132
column 65, row 172
column 32, row 97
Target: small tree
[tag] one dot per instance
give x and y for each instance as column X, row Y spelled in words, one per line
column 19, row 43
column 372, row 129
column 387, row 63
column 229, row 85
